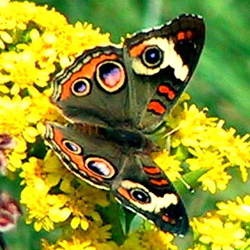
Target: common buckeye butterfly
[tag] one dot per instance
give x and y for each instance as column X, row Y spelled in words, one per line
column 114, row 97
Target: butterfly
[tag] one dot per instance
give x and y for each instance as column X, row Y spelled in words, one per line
column 114, row 97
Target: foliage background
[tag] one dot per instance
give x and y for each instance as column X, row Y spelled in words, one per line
column 221, row 81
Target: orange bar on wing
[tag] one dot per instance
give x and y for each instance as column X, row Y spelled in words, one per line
column 185, row 35
column 165, row 218
column 151, row 170
column 181, row 35
column 137, row 50
column 124, row 193
column 156, row 107
column 166, row 90
column 160, row 182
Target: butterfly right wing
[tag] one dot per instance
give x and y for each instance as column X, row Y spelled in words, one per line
column 159, row 63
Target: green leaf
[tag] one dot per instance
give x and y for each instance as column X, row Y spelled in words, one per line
column 136, row 223
column 189, row 180
column 114, row 216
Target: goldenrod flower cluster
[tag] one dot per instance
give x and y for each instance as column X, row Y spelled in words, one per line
column 36, row 43
column 201, row 143
column 225, row 228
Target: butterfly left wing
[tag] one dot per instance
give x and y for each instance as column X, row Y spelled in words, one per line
column 143, row 188
column 132, row 177
column 159, row 64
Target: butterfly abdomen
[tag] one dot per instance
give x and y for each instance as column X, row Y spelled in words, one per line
column 121, row 137
column 125, row 138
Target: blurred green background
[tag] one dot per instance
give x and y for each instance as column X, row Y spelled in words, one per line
column 221, row 81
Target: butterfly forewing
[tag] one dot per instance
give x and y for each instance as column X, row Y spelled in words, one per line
column 143, row 188
column 94, row 88
column 162, row 60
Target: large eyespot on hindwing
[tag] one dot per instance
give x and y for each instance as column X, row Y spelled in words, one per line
column 111, row 76
column 81, row 87
column 152, row 56
column 99, row 167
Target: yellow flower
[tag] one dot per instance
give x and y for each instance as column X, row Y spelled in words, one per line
column 73, row 244
column 17, row 155
column 13, row 113
column 31, row 171
column 205, row 144
column 169, row 164
column 191, row 128
column 46, row 209
column 56, row 173
column 97, row 237
column 83, row 200
column 216, row 177
column 19, row 116
column 22, row 119
column 98, row 233
column 149, row 239
column 21, row 69
column 238, row 152
column 50, row 170
column 218, row 235
column 238, row 210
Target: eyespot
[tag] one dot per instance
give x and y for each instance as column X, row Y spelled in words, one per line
column 111, row 76
column 100, row 167
column 140, row 195
column 81, row 87
column 152, row 56
column 72, row 147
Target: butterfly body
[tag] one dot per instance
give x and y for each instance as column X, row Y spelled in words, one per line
column 114, row 97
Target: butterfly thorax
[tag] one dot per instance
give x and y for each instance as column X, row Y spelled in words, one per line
column 124, row 138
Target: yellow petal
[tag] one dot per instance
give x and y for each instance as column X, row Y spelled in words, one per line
column 75, row 222
column 6, row 37
column 84, row 224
